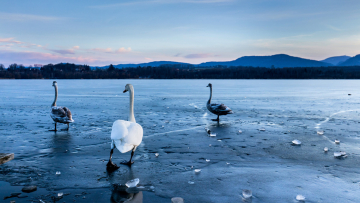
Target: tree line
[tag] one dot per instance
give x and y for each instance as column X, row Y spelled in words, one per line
column 72, row 71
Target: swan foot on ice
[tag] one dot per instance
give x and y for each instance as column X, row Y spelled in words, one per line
column 110, row 166
column 218, row 119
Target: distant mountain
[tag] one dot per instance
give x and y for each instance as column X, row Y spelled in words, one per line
column 154, row 64
column 278, row 61
column 353, row 61
column 336, row 60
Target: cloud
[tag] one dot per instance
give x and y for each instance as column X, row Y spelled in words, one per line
column 63, row 51
column 160, row 2
column 195, row 56
column 177, row 55
column 41, row 58
column 25, row 17
column 10, row 40
column 122, row 50
column 76, row 47
column 110, row 50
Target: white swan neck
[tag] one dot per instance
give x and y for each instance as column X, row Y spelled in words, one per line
column 131, row 117
column 209, row 101
column 56, row 95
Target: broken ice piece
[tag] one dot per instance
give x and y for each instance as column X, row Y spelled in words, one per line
column 320, row 132
column 60, row 194
column 300, row 198
column 209, row 145
column 156, row 154
column 191, row 183
column 207, row 160
column 326, row 149
column 177, row 200
column 212, row 134
column 227, row 163
column 337, row 141
column 247, row 194
column 240, row 131
column 296, row 142
column 207, row 131
column 197, row 170
column 262, row 129
column 58, row 173
column 132, row 183
column 340, row 154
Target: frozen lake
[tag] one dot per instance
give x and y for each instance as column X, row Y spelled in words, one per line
column 173, row 115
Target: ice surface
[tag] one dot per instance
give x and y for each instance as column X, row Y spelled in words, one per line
column 132, row 183
column 247, row 193
column 287, row 109
column 300, row 198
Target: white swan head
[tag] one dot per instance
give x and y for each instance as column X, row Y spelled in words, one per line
column 209, row 85
column 128, row 87
column 54, row 84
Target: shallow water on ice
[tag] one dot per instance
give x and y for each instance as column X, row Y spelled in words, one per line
column 173, row 115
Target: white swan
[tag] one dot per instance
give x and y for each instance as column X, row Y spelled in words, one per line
column 60, row 114
column 126, row 135
column 217, row 109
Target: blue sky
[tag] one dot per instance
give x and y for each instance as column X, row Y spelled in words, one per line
column 194, row 31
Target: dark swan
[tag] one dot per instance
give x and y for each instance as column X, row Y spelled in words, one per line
column 58, row 113
column 217, row 109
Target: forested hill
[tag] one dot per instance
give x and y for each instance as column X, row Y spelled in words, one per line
column 178, row 71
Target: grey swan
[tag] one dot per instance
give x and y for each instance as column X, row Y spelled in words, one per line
column 58, row 113
column 217, row 109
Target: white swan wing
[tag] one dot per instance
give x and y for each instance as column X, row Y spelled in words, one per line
column 126, row 135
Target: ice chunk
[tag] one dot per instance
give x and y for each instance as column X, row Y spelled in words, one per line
column 227, row 163
column 212, row 134
column 207, row 131
column 207, row 160
column 197, row 170
column 326, row 149
column 296, row 142
column 247, row 194
column 156, row 154
column 300, row 198
column 132, row 183
column 340, row 154
column 262, row 129
column 337, row 141
column 320, row 132
column 191, row 183
column 58, row 173
column 240, row 131
column 177, row 200
column 337, row 154
column 209, row 145
column 60, row 194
